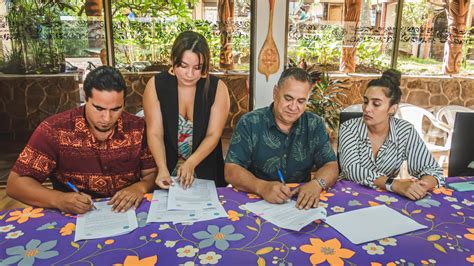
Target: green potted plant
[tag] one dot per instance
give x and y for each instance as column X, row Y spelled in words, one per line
column 36, row 37
column 325, row 99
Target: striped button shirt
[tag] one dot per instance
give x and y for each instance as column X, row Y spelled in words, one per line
column 403, row 143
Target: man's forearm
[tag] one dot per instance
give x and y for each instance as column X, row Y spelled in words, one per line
column 243, row 179
column 31, row 192
column 147, row 182
column 329, row 173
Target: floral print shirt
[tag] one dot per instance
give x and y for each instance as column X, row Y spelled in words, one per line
column 261, row 147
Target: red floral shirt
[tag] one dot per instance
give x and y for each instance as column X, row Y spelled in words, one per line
column 63, row 148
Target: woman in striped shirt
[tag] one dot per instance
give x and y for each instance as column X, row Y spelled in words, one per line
column 372, row 148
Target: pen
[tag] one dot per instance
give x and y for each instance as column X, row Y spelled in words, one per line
column 77, row 190
column 282, row 178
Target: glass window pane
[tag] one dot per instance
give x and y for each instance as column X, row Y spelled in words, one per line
column 315, row 35
column 44, row 37
column 143, row 37
column 422, row 37
column 467, row 66
column 318, row 33
column 375, row 36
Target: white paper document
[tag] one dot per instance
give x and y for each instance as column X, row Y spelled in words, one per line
column 159, row 212
column 103, row 222
column 202, row 194
column 372, row 223
column 286, row 215
column 209, row 214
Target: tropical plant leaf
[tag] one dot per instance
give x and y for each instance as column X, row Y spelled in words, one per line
column 253, row 119
column 298, row 152
column 261, row 261
column 254, row 139
column 236, row 138
column 271, row 140
column 272, row 164
column 74, row 244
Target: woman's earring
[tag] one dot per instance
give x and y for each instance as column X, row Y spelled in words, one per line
column 204, row 76
column 171, row 71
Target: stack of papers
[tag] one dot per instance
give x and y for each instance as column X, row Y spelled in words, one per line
column 103, row 222
column 372, row 223
column 195, row 204
column 286, row 215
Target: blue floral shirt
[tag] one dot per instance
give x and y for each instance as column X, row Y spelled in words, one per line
column 259, row 146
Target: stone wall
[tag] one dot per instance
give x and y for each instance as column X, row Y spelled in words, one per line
column 236, row 83
column 423, row 91
column 26, row 100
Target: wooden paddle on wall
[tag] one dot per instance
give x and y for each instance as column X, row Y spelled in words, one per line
column 269, row 58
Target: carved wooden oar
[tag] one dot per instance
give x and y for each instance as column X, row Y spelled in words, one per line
column 269, row 58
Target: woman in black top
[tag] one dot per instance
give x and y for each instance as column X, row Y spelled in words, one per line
column 185, row 112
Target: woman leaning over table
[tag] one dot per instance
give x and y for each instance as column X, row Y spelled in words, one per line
column 185, row 112
column 373, row 147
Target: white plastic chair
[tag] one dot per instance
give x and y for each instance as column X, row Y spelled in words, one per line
column 415, row 114
column 448, row 113
column 353, row 108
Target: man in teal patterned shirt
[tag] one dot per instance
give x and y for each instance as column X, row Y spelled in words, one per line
column 285, row 137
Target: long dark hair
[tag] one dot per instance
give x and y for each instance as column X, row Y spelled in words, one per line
column 196, row 43
column 391, row 81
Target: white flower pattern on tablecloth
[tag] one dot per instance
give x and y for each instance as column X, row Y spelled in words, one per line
column 164, row 226
column 187, row 251
column 386, row 198
column 388, row 241
column 170, row 244
column 14, row 234
column 338, row 209
column 467, row 202
column 450, row 199
column 210, row 258
column 6, row 228
column 373, row 249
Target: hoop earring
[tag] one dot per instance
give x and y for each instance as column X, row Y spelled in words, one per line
column 171, row 71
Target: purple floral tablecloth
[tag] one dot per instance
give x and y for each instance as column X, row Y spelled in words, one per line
column 45, row 237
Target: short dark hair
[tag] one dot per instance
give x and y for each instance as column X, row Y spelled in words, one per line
column 391, row 81
column 296, row 73
column 104, row 78
column 194, row 42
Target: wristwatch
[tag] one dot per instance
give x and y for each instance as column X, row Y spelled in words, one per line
column 321, row 182
column 388, row 184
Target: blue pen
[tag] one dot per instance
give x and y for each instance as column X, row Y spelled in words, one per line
column 282, row 178
column 77, row 190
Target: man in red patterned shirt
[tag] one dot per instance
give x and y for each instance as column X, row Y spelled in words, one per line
column 98, row 147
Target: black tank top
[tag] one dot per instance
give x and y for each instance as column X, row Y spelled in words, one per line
column 212, row 167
